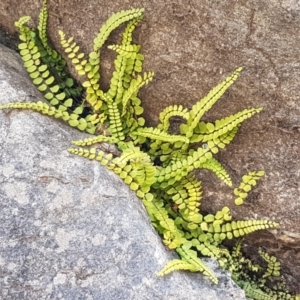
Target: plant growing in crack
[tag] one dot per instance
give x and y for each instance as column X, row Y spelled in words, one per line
column 156, row 163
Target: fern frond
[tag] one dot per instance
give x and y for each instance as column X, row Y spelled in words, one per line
column 221, row 216
column 190, row 256
column 255, row 292
column 169, row 112
column 159, row 135
column 207, row 102
column 124, row 65
column 92, row 66
column 165, row 225
column 112, row 23
column 73, row 119
column 240, row 228
column 128, row 51
column 248, row 182
column 42, row 27
column 273, row 268
column 225, row 138
column 72, row 49
column 174, row 172
column 115, row 21
column 187, row 196
column 45, row 67
column 132, row 65
column 209, row 131
column 210, row 250
column 216, row 167
column 116, row 87
column 95, row 140
column 95, row 154
column 134, row 154
column 127, row 34
column 177, row 265
column 115, row 122
column 134, row 87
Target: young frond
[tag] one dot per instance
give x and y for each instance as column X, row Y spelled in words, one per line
column 190, row 256
column 169, row 112
column 216, row 167
column 176, row 265
column 113, row 22
column 207, row 102
column 248, row 182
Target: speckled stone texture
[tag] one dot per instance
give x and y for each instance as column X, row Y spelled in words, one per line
column 70, row 229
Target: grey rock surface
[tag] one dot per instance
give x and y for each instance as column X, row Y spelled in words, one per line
column 70, row 229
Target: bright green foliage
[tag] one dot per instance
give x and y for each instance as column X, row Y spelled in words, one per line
column 155, row 163
column 191, row 257
column 177, row 264
column 248, row 181
column 216, row 167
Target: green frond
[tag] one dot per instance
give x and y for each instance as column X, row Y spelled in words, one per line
column 163, row 223
column 41, row 107
column 174, row 172
column 207, row 102
column 190, row 256
column 21, row 22
column 208, row 249
column 187, row 196
column 159, row 135
column 248, row 182
column 240, row 228
column 95, row 154
column 127, row 34
column 77, row 58
column 220, row 217
column 273, row 268
column 176, row 265
column 95, row 140
column 226, row 138
column 237, row 249
column 134, row 154
column 115, row 122
column 169, row 112
column 45, row 66
column 128, row 51
column 255, row 292
column 125, row 65
column 134, row 87
column 133, row 124
column 42, row 27
column 216, row 167
column 116, row 87
column 113, row 22
column 208, row 131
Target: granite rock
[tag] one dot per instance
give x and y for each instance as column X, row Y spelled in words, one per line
column 70, row 229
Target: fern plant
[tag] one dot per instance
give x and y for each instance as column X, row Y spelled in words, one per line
column 156, row 163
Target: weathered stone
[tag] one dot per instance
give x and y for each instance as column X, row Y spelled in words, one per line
column 193, row 45
column 70, row 229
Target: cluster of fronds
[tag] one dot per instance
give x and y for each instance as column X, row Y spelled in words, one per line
column 259, row 282
column 157, row 164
